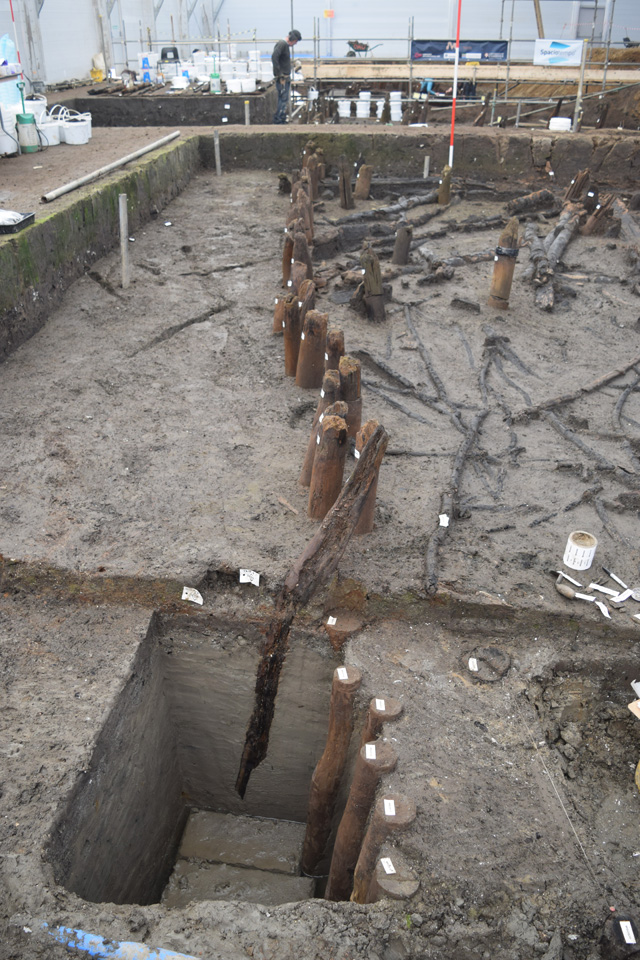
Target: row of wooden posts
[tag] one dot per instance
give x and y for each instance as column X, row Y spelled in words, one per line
column 315, row 356
column 356, row 870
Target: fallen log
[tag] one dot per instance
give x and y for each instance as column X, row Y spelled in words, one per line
column 310, row 571
column 531, row 201
column 406, row 203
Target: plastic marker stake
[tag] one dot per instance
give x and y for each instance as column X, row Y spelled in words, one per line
column 331, row 621
column 387, row 865
column 342, row 673
column 627, row 931
column 190, row 593
column 250, row 576
column 370, row 751
column 389, row 808
column 473, row 664
column 444, row 520
column 603, row 608
column 583, row 596
column 380, row 705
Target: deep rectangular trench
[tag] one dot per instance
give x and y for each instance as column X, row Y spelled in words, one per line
column 173, row 742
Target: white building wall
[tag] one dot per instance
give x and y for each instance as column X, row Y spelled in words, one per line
column 70, row 29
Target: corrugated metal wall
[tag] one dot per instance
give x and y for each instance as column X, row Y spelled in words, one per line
column 60, row 42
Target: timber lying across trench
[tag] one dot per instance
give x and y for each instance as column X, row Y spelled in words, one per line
column 158, row 430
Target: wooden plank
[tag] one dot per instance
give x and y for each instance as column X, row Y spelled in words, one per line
column 364, row 69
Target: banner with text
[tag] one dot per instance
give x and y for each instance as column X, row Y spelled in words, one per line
column 480, row 50
column 558, row 53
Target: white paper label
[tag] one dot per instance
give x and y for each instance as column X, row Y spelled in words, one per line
column 342, row 673
column 603, row 608
column 299, row 303
column 318, row 439
column 322, row 393
column 283, row 324
column 276, row 300
column 627, row 931
column 289, row 283
column 356, row 454
column 225, row 119
column 331, row 621
column 387, row 865
column 370, row 751
column 444, row 519
column 321, row 418
column 635, row 686
column 473, row 664
column 227, row 106
column 326, row 356
column 389, row 808
column 190, row 593
column 380, row 705
column 363, row 272
column 302, row 335
column 250, row 576
column 292, row 260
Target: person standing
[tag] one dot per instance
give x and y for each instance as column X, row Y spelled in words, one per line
column 281, row 60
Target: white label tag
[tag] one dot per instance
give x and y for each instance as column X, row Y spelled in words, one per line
column 331, row 621
column 225, row 119
column 292, row 260
column 473, row 664
column 380, row 705
column 318, row 439
column 283, row 324
column 250, row 576
column 190, row 593
column 370, row 751
column 302, row 335
column 356, row 454
column 289, row 283
column 321, row 418
column 444, row 520
column 342, row 673
column 326, row 356
column 603, row 608
column 322, row 393
column 387, row 865
column 635, row 686
column 276, row 300
column 299, row 303
column 227, row 106
column 389, row 808
column 627, row 931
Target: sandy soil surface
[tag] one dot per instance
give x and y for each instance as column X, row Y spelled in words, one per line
column 151, row 433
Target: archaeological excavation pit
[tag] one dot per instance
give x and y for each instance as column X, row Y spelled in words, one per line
column 153, row 440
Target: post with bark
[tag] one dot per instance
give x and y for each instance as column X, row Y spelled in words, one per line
column 404, row 235
column 328, row 467
column 335, row 349
column 444, row 190
column 349, row 368
column 298, row 276
column 346, row 197
column 329, row 393
column 578, row 185
column 291, row 331
column 373, row 295
column 503, row 266
column 381, row 710
column 327, row 775
column 374, row 760
column 392, row 812
column 365, row 523
column 363, row 182
column 313, row 339
column 301, row 251
column 278, row 315
column 306, row 299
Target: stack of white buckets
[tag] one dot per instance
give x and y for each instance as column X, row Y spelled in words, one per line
column 363, row 106
column 241, row 76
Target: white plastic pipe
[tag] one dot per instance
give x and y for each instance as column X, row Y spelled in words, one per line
column 124, row 239
column 68, row 187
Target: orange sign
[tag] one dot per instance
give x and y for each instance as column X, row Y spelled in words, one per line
column 329, row 14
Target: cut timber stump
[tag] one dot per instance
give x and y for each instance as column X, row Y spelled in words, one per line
column 278, row 315
column 504, row 265
column 444, row 192
column 578, row 185
column 291, row 331
column 335, row 349
column 310, row 371
column 329, row 393
column 365, row 523
column 381, row 710
column 383, row 822
column 346, row 197
column 402, row 245
column 327, row 775
column 349, row 368
column 345, row 626
column 373, row 293
column 328, row 467
column 363, row 182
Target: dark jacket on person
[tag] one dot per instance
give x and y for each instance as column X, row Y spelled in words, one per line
column 281, row 59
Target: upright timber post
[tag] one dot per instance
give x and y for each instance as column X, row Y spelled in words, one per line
column 328, row 467
column 335, row 349
column 349, row 369
column 363, row 182
column 365, row 523
column 329, row 393
column 444, row 190
column 504, row 264
column 373, row 761
column 326, row 778
column 313, row 338
column 381, row 710
column 391, row 812
column 291, row 331
column 346, row 196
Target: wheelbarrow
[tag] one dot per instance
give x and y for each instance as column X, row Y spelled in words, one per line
column 358, row 49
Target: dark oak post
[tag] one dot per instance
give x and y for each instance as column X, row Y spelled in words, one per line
column 383, row 822
column 349, row 369
column 504, row 265
column 313, row 338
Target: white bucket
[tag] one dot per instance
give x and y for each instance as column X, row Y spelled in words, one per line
column 50, row 130
column 266, row 71
column 248, row 84
column 364, row 95
column 395, row 95
column 76, row 130
column 580, row 550
column 560, row 123
column 344, row 109
column 234, row 86
column 379, row 107
column 7, row 142
column 396, row 113
column 37, row 107
column 363, row 109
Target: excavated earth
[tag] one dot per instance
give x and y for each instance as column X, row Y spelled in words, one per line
column 150, row 440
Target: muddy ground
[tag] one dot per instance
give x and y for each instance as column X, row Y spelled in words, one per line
column 151, row 435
